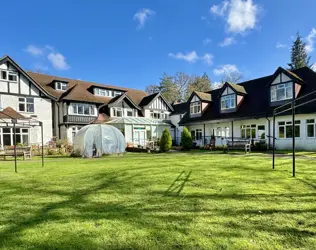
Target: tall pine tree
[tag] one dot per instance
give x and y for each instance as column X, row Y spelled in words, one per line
column 299, row 57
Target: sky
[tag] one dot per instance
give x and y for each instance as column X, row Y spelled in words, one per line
column 132, row 43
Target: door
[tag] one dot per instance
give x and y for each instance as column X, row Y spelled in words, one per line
column 140, row 137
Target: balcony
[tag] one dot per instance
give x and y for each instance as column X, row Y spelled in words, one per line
column 78, row 119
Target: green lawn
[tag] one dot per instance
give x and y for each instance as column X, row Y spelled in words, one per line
column 162, row 201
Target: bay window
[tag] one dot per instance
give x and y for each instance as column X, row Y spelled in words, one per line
column 83, row 109
column 281, row 92
column 286, row 131
column 195, row 108
column 228, row 102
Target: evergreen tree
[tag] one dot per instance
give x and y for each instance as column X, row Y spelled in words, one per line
column 186, row 139
column 165, row 141
column 299, row 57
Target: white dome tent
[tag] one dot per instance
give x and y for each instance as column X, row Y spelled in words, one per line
column 99, row 139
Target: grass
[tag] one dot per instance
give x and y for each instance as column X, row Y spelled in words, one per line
column 163, row 201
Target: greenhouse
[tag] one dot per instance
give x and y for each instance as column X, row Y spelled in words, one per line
column 99, row 139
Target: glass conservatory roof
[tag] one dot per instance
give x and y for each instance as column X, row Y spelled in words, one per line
column 137, row 120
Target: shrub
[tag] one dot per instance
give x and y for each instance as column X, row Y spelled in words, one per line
column 260, row 146
column 165, row 141
column 52, row 151
column 186, row 139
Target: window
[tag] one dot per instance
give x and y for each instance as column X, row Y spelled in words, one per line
column 158, row 115
column 129, row 112
column 228, row 102
column 83, row 109
column 61, row 86
column 7, row 136
column 311, row 128
column 193, row 134
column 9, row 76
column 118, row 112
column 198, row 134
column 282, row 92
column 286, row 131
column 26, row 104
column 4, row 75
column 248, row 131
column 106, row 92
column 195, row 108
column 13, row 76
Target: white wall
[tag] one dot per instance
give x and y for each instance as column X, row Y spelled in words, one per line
column 42, row 111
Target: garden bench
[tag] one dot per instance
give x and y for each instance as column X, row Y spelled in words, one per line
column 239, row 144
column 26, row 152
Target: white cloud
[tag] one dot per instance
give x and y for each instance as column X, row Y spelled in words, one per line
column 220, row 9
column 142, row 16
column 58, row 60
column 206, row 41
column 208, row 59
column 281, row 46
column 310, row 41
column 314, row 67
column 240, row 15
column 34, row 51
column 227, row 41
column 225, row 70
column 193, row 57
column 217, row 85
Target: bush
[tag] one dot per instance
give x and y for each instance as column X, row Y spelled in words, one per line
column 186, row 139
column 260, row 146
column 52, row 151
column 165, row 141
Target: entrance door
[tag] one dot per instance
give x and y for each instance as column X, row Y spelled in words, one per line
column 140, row 137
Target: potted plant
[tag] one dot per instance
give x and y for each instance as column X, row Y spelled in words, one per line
column 212, row 142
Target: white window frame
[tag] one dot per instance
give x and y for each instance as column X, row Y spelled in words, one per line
column 26, row 102
column 116, row 111
column 281, row 86
column 244, row 129
column 311, row 122
column 195, row 108
column 23, row 132
column 75, row 109
column 198, row 134
column 62, row 86
column 107, row 92
column 284, row 125
column 129, row 110
column 231, row 99
column 8, row 74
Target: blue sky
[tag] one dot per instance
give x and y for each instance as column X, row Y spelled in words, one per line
column 131, row 43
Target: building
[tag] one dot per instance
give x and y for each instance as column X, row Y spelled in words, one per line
column 245, row 110
column 66, row 105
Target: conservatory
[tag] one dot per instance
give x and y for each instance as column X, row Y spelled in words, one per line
column 98, row 139
column 140, row 131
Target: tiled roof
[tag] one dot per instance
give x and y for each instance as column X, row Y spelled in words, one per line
column 10, row 113
column 79, row 90
column 179, row 108
column 257, row 101
column 238, row 88
column 146, row 100
column 204, row 96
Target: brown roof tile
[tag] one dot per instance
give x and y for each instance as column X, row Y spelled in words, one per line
column 10, row 113
column 78, row 90
column 204, row 96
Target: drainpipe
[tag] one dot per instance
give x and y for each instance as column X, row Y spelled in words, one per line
column 269, row 131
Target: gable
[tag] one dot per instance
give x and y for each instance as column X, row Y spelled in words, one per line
column 159, row 104
column 281, row 77
column 228, row 91
column 19, row 82
column 195, row 99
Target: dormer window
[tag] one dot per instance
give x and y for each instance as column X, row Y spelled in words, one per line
column 228, row 102
column 61, row 86
column 281, row 92
column 195, row 108
column 107, row 92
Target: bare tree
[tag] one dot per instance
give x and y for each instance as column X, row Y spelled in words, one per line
column 232, row 77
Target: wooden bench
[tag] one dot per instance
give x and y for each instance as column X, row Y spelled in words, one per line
column 26, row 152
column 239, row 144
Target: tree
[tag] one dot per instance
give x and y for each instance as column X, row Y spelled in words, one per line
column 186, row 139
column 199, row 83
column 182, row 81
column 232, row 77
column 165, row 141
column 299, row 57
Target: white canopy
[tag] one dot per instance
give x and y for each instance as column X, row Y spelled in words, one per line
column 99, row 139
